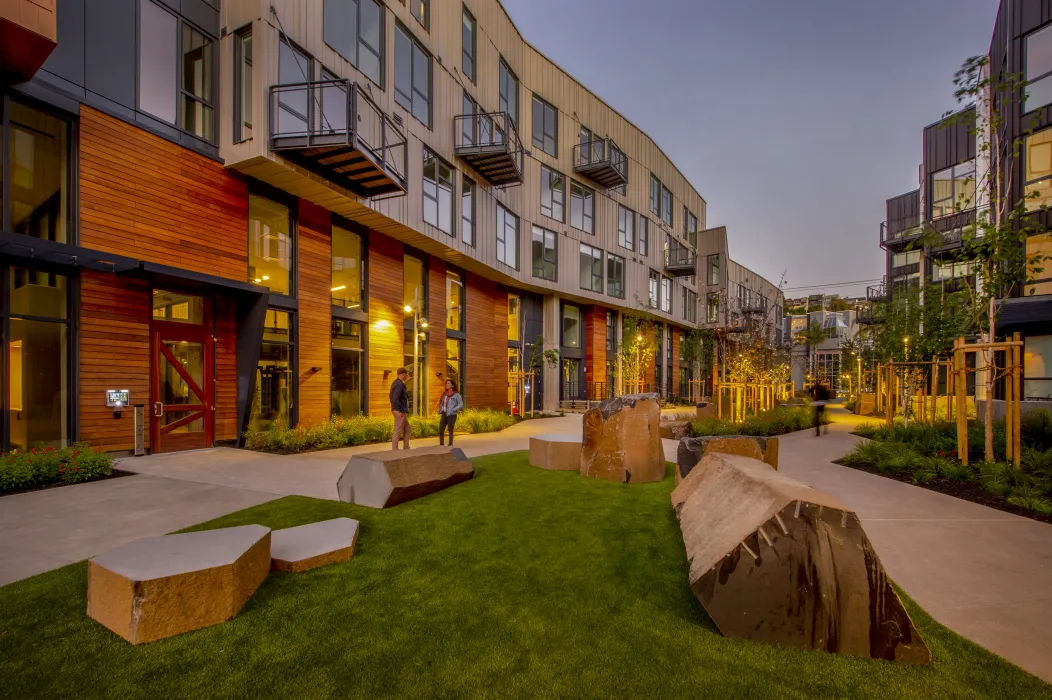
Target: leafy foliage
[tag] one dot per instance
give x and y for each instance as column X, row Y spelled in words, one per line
column 44, row 466
column 777, row 421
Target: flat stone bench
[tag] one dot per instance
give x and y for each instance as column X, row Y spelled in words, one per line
column 385, row 479
column 159, row 587
column 556, row 451
column 306, row 547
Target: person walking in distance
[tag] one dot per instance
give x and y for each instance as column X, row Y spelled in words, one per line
column 400, row 409
column 820, row 396
column 448, row 408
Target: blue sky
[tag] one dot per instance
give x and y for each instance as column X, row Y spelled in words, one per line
column 794, row 120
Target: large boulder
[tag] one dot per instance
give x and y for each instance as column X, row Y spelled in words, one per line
column 385, row 479
column 674, row 430
column 622, row 440
column 556, row 451
column 159, row 587
column 773, row 560
column 691, row 450
column 307, row 547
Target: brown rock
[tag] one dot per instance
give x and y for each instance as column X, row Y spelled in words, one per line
column 556, row 451
column 159, row 587
column 307, row 547
column 773, row 560
column 691, row 450
column 385, row 479
column 622, row 440
column 674, row 430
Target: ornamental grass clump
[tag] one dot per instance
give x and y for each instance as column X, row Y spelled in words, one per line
column 777, row 421
column 46, row 466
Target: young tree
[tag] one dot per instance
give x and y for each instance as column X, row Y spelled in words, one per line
column 637, row 351
column 813, row 336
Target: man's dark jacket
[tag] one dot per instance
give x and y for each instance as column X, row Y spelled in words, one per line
column 399, row 396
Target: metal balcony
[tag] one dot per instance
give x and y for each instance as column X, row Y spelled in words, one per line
column 490, row 144
column 333, row 128
column 897, row 235
column 680, row 261
column 869, row 315
column 878, row 292
column 602, row 162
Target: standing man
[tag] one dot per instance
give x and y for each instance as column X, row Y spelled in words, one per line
column 400, row 409
column 820, row 394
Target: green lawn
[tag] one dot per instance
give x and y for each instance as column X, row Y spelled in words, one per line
column 519, row 583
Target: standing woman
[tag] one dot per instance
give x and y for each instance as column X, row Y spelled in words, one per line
column 449, row 406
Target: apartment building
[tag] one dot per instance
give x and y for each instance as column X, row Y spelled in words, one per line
column 826, row 361
column 247, row 211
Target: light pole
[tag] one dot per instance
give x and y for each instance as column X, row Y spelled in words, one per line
column 858, row 358
column 418, row 323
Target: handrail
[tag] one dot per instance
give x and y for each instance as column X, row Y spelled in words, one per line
column 599, row 151
column 488, row 130
column 678, row 255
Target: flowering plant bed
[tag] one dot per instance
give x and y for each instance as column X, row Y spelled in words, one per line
column 39, row 467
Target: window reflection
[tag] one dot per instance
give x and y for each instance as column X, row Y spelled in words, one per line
column 269, row 245
column 273, row 399
column 346, row 268
column 348, row 398
column 38, row 160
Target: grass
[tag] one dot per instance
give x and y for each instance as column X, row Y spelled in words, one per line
column 519, row 583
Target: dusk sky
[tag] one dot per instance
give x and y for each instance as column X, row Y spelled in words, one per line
column 794, row 120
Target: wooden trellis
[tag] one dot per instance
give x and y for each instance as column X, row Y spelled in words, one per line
column 518, row 381
column 1013, row 374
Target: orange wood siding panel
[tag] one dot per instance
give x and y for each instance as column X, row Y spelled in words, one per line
column 147, row 198
column 114, row 354
column 675, row 362
column 226, row 369
column 486, row 364
column 386, row 317
column 595, row 345
column 314, row 339
column 436, row 304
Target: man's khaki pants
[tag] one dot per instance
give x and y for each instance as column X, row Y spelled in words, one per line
column 401, row 427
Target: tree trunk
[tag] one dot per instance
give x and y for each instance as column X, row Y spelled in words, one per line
column 988, row 413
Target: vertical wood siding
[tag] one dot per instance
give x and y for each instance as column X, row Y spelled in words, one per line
column 385, row 319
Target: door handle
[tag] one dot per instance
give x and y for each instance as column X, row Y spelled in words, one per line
column 158, row 409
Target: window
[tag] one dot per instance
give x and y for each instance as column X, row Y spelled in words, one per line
column 1037, row 366
column 178, row 308
column 666, row 295
column 571, row 327
column 582, row 206
column 422, row 11
column 269, row 244
column 507, row 237
column 355, row 30
column 626, row 228
column 274, row 372
column 953, row 190
column 414, row 359
column 652, row 291
column 412, row 76
column 36, row 162
column 545, row 127
column 655, row 195
column 591, row 269
column 1038, row 171
column 691, row 302
column 713, row 308
column 714, row 268
column 455, row 363
column 467, row 210
column 692, row 228
column 666, row 206
column 514, row 309
column 1038, row 69
column 173, row 54
column 509, row 93
column 469, row 46
column 243, row 85
column 553, row 193
column 294, row 66
column 615, row 276
column 644, row 235
column 348, row 280
column 545, row 245
column 438, row 193
column 348, row 372
column 455, row 309
column 414, row 288
column 909, row 257
column 683, row 302
column 952, row 270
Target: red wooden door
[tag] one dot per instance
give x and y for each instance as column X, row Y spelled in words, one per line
column 183, row 390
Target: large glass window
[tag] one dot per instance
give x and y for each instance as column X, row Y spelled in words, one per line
column 414, row 287
column 348, row 280
column 509, row 92
column 553, row 193
column 455, row 308
column 507, row 237
column 714, row 268
column 545, row 261
column 655, row 195
column 713, row 308
column 690, row 311
column 582, row 207
column 626, row 228
column 692, row 228
column 644, row 235
column 243, row 84
column 455, row 363
column 412, row 76
column 294, row 66
column 1037, row 367
column 652, row 289
column 414, row 359
column 615, row 276
column 35, row 158
column 1038, row 69
column 953, row 190
column 571, row 327
column 514, row 311
column 355, row 30
column 666, row 206
column 469, row 46
column 348, row 371
column 269, row 244
column 591, row 268
column 1038, row 166
column 177, row 307
column 421, row 11
column 666, row 295
column 467, row 210
column 274, row 374
column 545, row 127
column 908, row 257
column 438, row 192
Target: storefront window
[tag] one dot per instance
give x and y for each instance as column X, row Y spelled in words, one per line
column 274, row 378
column 454, row 301
column 455, row 362
column 37, row 162
column 348, row 397
column 1037, row 367
column 414, row 359
column 178, row 307
column 346, row 268
column 269, row 245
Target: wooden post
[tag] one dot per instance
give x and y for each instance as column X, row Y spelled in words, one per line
column 934, row 390
column 961, row 384
column 1017, row 394
column 949, row 391
column 1009, row 401
column 889, row 384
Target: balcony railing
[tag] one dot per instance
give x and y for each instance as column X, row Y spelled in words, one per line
column 680, row 261
column 602, row 162
column 897, row 234
column 869, row 315
column 490, row 144
column 878, row 292
column 333, row 128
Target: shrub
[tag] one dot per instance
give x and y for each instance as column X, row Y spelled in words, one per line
column 1032, row 498
column 867, row 430
column 866, row 454
column 43, row 466
column 953, row 470
column 777, row 421
column 897, row 461
column 924, row 476
column 1037, row 462
column 1036, row 429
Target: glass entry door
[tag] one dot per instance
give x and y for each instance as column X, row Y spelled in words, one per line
column 182, row 407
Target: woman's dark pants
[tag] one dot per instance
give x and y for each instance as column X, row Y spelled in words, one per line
column 445, row 421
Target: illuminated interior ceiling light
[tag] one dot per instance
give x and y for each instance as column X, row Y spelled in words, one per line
column 336, row 289
column 258, row 280
column 408, row 309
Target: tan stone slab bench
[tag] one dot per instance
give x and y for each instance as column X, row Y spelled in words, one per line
column 159, row 587
column 385, row 479
column 306, row 547
column 556, row 451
